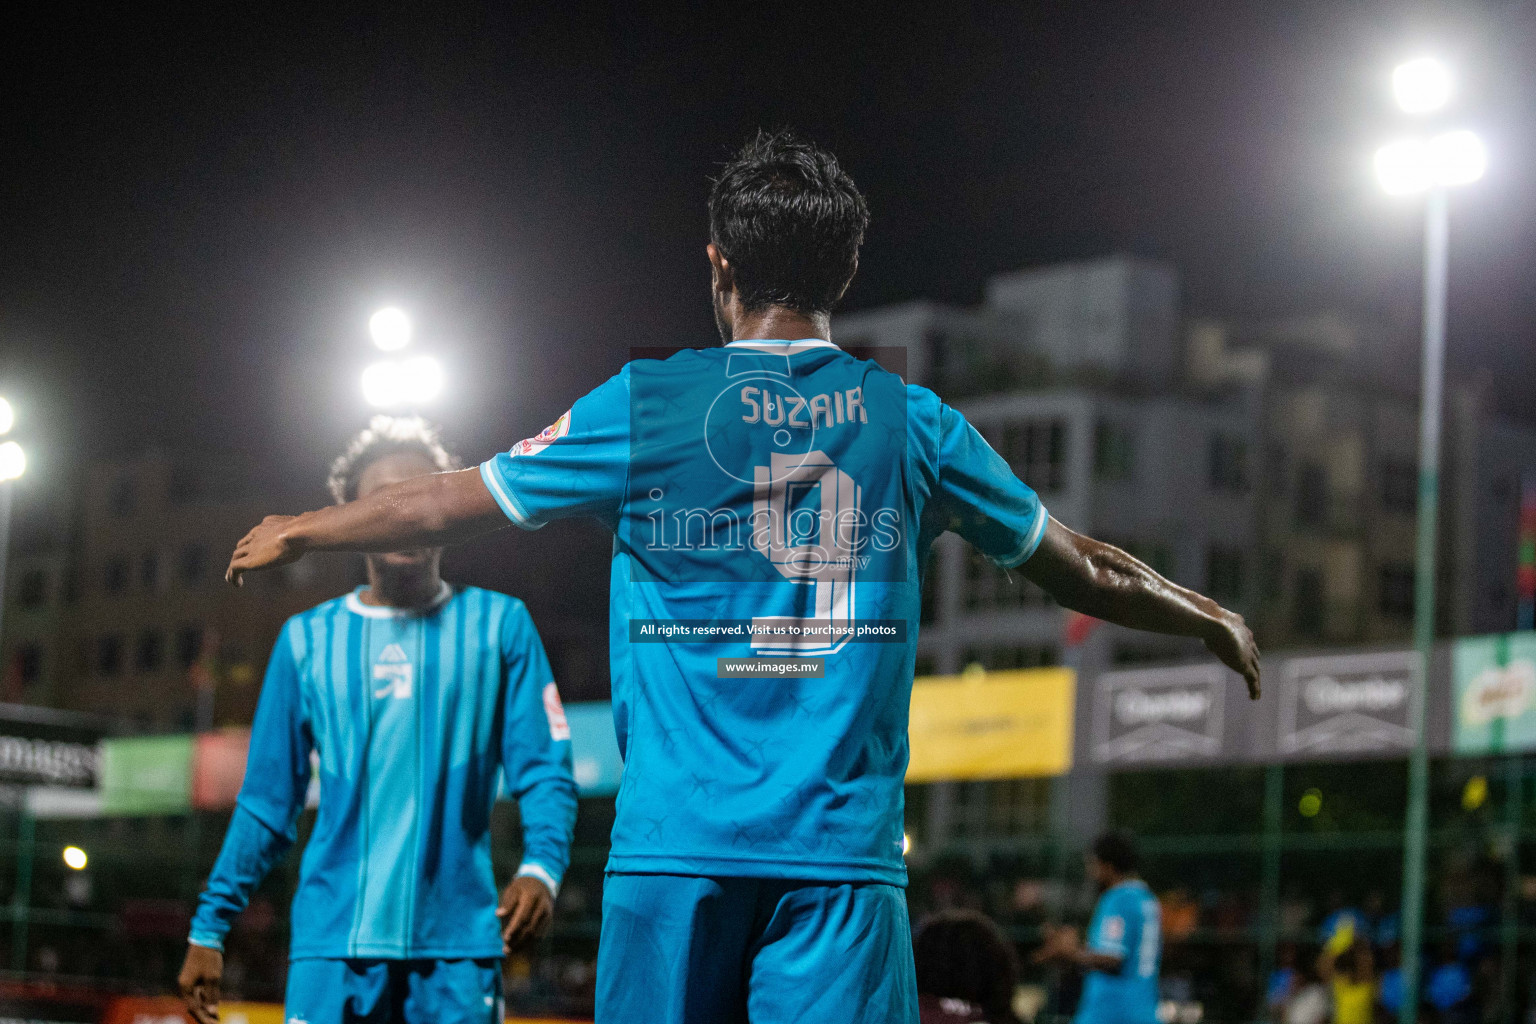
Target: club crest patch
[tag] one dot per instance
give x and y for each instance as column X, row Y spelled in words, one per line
column 546, row 437
column 559, row 728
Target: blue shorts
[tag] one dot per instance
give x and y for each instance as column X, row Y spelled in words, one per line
column 689, row 950
column 325, row 991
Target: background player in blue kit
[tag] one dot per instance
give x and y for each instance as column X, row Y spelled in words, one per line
column 784, row 494
column 416, row 697
column 1125, row 941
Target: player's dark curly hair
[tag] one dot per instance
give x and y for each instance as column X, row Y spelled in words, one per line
column 961, row 954
column 790, row 222
column 386, row 435
column 1117, row 848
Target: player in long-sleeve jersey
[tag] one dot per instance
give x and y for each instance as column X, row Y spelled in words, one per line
column 773, row 503
column 414, row 697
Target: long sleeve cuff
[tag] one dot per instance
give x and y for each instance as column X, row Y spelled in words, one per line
column 533, row 869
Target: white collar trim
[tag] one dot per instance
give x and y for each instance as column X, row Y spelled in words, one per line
column 375, row 611
column 770, row 345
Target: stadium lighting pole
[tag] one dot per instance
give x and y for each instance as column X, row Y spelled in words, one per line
column 1430, row 167
column 13, row 463
column 1416, row 827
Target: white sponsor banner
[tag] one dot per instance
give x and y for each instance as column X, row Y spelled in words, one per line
column 1346, row 705
column 1160, row 714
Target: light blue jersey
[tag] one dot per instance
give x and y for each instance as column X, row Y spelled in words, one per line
column 413, row 715
column 1126, row 923
column 773, row 501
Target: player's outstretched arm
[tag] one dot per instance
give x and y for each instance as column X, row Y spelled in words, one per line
column 1099, row 579
column 427, row 511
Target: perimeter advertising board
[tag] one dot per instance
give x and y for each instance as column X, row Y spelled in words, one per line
column 992, row 725
column 1159, row 715
column 1350, row 705
column 38, row 750
column 1495, row 693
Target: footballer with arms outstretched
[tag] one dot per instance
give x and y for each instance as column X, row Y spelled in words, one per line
column 415, row 696
column 773, row 502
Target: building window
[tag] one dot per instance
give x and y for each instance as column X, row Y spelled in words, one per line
column 1311, row 495
column 1037, row 451
column 149, row 570
column 1113, row 451
column 1307, row 609
column 1224, row 573
column 1277, row 468
column 123, row 498
column 33, row 591
column 1400, row 487
column 1274, row 575
column 29, row 663
column 1396, row 594
column 114, row 576
column 150, row 651
column 987, row 586
column 189, row 644
column 194, row 562
column 109, row 655
column 1227, row 457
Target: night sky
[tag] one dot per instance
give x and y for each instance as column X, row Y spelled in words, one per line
column 198, row 211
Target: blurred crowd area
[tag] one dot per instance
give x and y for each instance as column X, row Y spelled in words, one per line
column 1213, row 964
column 1334, row 869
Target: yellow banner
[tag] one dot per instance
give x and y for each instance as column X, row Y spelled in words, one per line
column 992, row 725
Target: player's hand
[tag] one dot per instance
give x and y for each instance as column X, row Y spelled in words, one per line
column 268, row 545
column 201, row 974
column 1060, row 941
column 1232, row 641
column 526, row 908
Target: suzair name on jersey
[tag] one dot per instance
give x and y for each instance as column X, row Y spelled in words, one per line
column 765, row 405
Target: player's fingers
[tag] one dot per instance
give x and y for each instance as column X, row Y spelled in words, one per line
column 541, row 921
column 512, row 918
column 204, row 1004
column 515, row 933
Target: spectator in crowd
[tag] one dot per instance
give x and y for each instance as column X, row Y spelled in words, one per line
column 966, row 970
column 1283, row 982
column 1448, row 989
column 1348, row 967
column 1389, row 987
column 1308, row 1001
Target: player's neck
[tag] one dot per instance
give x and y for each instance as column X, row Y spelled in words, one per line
column 401, row 590
column 777, row 323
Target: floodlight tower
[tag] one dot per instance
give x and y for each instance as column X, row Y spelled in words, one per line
column 13, row 463
column 1430, row 167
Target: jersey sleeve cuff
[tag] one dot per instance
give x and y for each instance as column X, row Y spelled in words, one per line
column 206, row 941
column 533, row 869
column 1031, row 541
column 500, row 491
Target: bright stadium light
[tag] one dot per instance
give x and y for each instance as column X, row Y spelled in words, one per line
column 1421, row 86
column 390, row 329
column 381, row 384
column 13, row 461
column 1417, row 165
column 7, row 417
column 423, row 377
column 75, row 858
column 1458, row 158
column 390, row 384
column 1403, row 168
